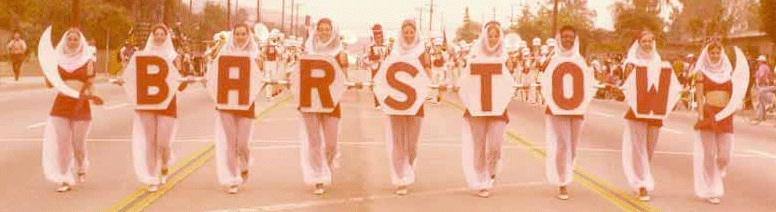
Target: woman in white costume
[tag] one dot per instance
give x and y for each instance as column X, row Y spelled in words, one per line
column 483, row 136
column 403, row 131
column 234, row 128
column 320, row 150
column 563, row 132
column 154, row 130
column 640, row 135
column 70, row 119
column 714, row 139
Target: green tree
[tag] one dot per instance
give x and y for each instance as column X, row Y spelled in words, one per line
column 95, row 19
column 768, row 17
column 630, row 20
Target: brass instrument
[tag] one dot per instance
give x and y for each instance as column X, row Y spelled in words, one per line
column 219, row 44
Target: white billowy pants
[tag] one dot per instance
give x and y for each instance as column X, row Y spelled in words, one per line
column 638, row 145
column 562, row 135
column 710, row 161
column 64, row 148
column 233, row 137
column 481, row 141
column 401, row 140
column 152, row 136
column 319, row 147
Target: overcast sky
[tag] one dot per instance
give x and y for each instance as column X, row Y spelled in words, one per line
column 360, row 15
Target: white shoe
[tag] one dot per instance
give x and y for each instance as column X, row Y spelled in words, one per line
column 63, row 188
column 484, row 193
column 714, row 201
column 153, row 188
column 164, row 173
column 81, row 177
column 319, row 189
column 643, row 195
column 401, row 191
column 233, row 189
column 563, row 193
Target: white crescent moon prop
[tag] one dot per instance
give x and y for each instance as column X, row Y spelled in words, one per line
column 48, row 59
column 740, row 81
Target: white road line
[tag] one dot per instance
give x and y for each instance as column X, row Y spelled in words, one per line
column 275, row 147
column 321, row 203
column 36, row 125
column 769, row 155
column 602, row 114
column 117, row 106
column 673, row 131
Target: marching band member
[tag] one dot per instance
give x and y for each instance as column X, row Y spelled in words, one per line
column 531, row 72
column 641, row 134
column 715, row 84
column 483, row 141
column 70, row 119
column 377, row 53
column 318, row 155
column 563, row 132
column 513, row 64
column 234, row 128
column 404, row 133
column 271, row 56
column 437, row 67
column 524, row 73
column 154, row 130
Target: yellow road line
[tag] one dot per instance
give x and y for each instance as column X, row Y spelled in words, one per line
column 619, row 198
column 141, row 198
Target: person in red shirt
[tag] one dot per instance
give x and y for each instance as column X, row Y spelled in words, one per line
column 234, row 128
column 319, row 152
column 405, row 129
column 714, row 146
column 563, row 131
column 70, row 118
column 377, row 53
column 17, row 49
column 484, row 135
column 154, row 130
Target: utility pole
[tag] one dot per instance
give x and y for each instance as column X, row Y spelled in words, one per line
column 420, row 17
column 430, row 15
column 74, row 14
column 283, row 16
column 228, row 13
column 297, row 18
column 168, row 12
column 494, row 13
column 258, row 11
column 555, row 17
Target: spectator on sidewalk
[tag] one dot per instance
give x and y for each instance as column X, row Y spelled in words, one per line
column 765, row 84
column 17, row 48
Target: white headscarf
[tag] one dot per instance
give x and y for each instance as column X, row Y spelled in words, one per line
column 332, row 47
column 415, row 49
column 718, row 72
column 483, row 49
column 166, row 50
column 563, row 52
column 650, row 59
column 250, row 47
column 73, row 60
